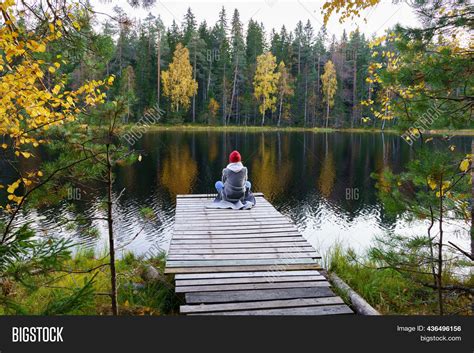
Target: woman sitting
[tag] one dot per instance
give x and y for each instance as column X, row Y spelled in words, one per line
column 234, row 185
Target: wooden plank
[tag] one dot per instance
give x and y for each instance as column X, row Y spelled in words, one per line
column 206, row 207
column 187, row 210
column 227, row 211
column 284, row 239
column 209, row 249
column 251, row 286
column 235, row 217
column 216, row 221
column 205, row 203
column 309, row 310
column 241, row 246
column 234, row 236
column 215, row 263
column 287, row 267
column 259, row 200
column 253, row 250
column 257, row 295
column 233, row 221
column 289, row 303
column 236, row 230
column 206, row 198
column 260, row 279
column 213, row 195
column 246, row 274
column 231, row 226
column 228, row 214
column 178, row 257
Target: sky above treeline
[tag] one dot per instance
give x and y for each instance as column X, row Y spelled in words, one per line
column 272, row 13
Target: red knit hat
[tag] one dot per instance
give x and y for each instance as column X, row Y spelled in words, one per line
column 235, row 157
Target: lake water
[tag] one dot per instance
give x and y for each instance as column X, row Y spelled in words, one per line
column 320, row 181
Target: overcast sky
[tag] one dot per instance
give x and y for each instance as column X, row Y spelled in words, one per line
column 273, row 13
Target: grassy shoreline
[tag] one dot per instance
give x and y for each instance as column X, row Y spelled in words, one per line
column 386, row 289
column 136, row 295
column 232, row 128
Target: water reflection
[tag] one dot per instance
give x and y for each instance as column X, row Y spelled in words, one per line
column 321, row 181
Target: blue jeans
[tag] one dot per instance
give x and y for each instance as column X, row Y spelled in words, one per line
column 220, row 185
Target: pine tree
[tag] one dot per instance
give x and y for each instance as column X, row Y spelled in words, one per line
column 192, row 42
column 238, row 62
column 189, row 27
column 255, row 44
column 222, row 68
column 174, row 36
column 127, row 89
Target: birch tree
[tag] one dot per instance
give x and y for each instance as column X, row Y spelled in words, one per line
column 178, row 82
column 329, row 81
column 265, row 83
column 285, row 88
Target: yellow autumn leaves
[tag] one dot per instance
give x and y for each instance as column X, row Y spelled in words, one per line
column 29, row 104
column 444, row 186
column 178, row 83
column 384, row 96
column 347, row 9
column 465, row 164
column 265, row 83
column 329, row 81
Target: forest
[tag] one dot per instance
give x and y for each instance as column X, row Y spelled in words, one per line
column 239, row 74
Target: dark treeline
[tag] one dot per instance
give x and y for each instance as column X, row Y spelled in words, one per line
column 224, row 58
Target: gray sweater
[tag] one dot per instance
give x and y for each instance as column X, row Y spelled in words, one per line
column 234, row 177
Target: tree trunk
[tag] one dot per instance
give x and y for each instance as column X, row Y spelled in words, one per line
column 472, row 205
column 263, row 112
column 233, row 88
column 472, row 217
column 255, row 115
column 194, row 77
column 224, row 108
column 299, row 56
column 354, row 91
column 113, row 273
column 279, row 110
column 327, row 111
column 385, row 116
column 369, row 98
column 440, row 250
column 237, row 108
column 120, row 51
column 313, row 88
column 209, row 79
column 158, row 71
column 306, row 97
column 318, row 82
column 128, row 102
column 319, row 71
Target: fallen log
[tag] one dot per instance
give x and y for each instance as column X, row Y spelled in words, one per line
column 359, row 303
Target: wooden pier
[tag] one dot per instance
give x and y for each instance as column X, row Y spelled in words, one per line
column 245, row 262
